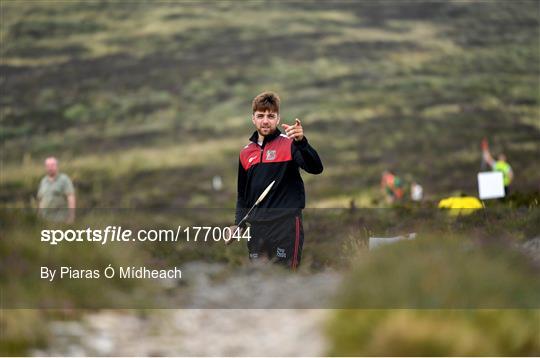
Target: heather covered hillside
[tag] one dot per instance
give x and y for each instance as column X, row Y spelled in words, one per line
column 132, row 93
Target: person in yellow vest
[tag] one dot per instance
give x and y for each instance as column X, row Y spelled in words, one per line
column 499, row 165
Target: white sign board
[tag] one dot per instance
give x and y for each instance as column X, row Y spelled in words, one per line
column 490, row 185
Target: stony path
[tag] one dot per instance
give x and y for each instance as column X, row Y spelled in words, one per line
column 192, row 332
column 247, row 328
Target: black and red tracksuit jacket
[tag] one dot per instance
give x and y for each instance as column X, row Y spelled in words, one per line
column 279, row 158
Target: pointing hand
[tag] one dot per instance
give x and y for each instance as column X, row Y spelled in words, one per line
column 295, row 131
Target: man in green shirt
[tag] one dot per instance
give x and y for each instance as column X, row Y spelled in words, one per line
column 56, row 195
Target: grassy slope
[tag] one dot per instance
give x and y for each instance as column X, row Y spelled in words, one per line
column 136, row 94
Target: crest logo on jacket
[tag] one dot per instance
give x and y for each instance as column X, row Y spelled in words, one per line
column 270, row 154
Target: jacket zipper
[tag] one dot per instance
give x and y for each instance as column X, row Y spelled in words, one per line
column 262, row 151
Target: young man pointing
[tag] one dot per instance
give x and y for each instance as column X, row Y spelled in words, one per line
column 276, row 225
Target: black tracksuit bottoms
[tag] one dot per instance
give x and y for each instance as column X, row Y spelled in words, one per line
column 279, row 240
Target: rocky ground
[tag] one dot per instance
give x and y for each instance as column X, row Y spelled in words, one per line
column 191, row 332
column 261, row 324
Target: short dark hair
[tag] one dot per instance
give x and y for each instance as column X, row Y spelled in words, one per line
column 266, row 101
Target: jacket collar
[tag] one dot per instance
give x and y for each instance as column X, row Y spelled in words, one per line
column 255, row 136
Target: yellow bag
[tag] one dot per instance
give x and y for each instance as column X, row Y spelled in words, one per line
column 461, row 205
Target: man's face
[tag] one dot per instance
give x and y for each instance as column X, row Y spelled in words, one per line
column 51, row 166
column 265, row 122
